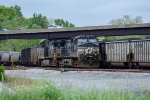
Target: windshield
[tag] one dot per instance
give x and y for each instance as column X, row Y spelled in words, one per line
column 82, row 40
column 93, row 40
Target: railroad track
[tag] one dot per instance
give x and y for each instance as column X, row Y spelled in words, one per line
column 79, row 69
column 107, row 70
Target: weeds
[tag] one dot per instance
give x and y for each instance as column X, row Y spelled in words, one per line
column 35, row 94
column 3, row 77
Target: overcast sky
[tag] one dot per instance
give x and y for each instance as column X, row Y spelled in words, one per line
column 84, row 12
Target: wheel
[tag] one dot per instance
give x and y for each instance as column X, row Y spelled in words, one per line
column 137, row 66
column 131, row 65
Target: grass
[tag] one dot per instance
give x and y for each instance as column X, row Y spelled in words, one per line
column 48, row 92
column 107, row 95
column 3, row 77
column 27, row 89
column 21, row 84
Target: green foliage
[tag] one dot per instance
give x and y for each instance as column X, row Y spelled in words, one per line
column 2, row 73
column 18, row 45
column 111, row 38
column 11, row 17
column 49, row 92
column 35, row 26
column 6, row 14
column 17, row 9
column 38, row 21
column 61, row 22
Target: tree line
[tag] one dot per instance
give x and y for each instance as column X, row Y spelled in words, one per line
column 11, row 18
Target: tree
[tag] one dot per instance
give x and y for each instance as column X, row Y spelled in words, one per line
column 35, row 26
column 61, row 22
column 38, row 20
column 17, row 9
column 9, row 17
column 125, row 20
column 51, row 22
column 6, row 14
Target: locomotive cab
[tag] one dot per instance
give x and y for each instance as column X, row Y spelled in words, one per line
column 87, row 50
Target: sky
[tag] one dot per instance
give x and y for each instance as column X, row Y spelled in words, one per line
column 84, row 12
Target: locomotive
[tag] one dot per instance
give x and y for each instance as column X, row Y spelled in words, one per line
column 80, row 51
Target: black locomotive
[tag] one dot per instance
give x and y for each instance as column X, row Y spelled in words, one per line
column 80, row 51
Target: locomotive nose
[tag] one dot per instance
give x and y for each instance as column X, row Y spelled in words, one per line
column 88, row 51
column 90, row 55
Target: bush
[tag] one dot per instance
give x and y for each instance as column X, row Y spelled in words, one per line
column 2, row 73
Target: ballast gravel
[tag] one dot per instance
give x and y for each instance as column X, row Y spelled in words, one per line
column 97, row 80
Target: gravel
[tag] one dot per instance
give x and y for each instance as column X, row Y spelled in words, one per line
column 98, row 80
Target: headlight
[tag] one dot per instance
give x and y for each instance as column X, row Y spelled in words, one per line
column 95, row 50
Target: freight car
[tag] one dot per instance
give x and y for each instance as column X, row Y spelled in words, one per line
column 4, row 57
column 140, row 50
column 80, row 51
column 133, row 53
column 9, row 57
column 30, row 56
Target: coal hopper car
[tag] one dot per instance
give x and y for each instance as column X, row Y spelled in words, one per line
column 133, row 53
column 115, row 53
column 10, row 57
column 141, row 53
